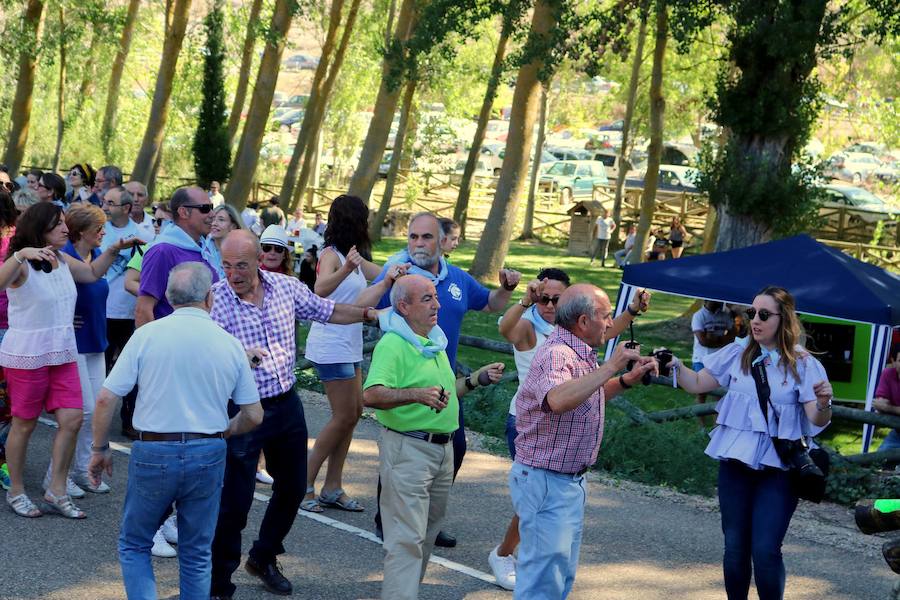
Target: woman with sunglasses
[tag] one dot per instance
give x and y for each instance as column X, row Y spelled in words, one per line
column 344, row 268
column 39, row 351
column 225, row 220
column 756, row 499
column 276, row 253
column 81, row 180
column 52, row 188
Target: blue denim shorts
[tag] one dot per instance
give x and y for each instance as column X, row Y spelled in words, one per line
column 336, row 371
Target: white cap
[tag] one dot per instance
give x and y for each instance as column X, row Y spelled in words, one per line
column 274, row 234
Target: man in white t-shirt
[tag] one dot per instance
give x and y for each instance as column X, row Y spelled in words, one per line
column 713, row 328
column 139, row 214
column 603, row 229
column 621, row 256
column 215, row 196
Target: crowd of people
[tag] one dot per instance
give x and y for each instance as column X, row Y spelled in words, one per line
column 187, row 320
column 660, row 243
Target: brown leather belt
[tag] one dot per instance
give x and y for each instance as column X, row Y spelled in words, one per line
column 150, row 436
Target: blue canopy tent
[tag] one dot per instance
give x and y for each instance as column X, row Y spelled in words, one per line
column 825, row 282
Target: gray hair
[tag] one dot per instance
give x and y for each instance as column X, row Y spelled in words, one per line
column 141, row 185
column 188, row 284
column 425, row 213
column 125, row 198
column 568, row 312
column 399, row 292
column 113, row 174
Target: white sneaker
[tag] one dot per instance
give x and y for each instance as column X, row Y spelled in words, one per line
column 169, row 529
column 84, row 482
column 504, row 568
column 160, row 547
column 72, row 490
column 263, row 476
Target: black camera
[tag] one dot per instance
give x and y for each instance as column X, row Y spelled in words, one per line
column 662, row 355
column 795, row 454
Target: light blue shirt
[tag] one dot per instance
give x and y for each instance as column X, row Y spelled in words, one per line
column 120, row 303
column 186, row 368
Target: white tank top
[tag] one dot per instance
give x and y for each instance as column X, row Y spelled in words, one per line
column 523, row 364
column 41, row 313
column 328, row 343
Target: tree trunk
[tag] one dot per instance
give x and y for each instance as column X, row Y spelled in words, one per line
column 61, row 89
column 303, row 138
column 108, row 127
column 240, row 94
column 154, row 173
column 394, row 168
column 388, row 30
column 657, row 112
column 165, row 78
column 492, row 248
column 739, row 231
column 385, row 105
column 528, row 227
column 89, row 75
column 21, row 107
column 247, row 157
column 317, row 112
column 626, row 126
column 460, row 211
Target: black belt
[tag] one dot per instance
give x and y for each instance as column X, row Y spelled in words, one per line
column 149, row 436
column 434, row 438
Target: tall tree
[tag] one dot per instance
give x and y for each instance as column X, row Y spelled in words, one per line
column 159, row 109
column 528, row 226
column 21, row 107
column 247, row 157
column 107, row 129
column 385, row 105
column 654, row 150
column 636, row 61
column 240, row 93
column 502, row 217
column 60, row 87
column 212, row 152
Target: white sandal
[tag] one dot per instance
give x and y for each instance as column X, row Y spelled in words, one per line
column 23, row 506
column 63, row 505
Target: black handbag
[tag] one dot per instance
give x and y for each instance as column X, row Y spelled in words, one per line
column 808, row 468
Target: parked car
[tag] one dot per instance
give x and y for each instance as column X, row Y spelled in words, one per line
column 870, row 207
column 496, row 130
column 298, row 62
column 573, row 179
column 610, row 160
column 284, row 120
column 562, row 153
column 278, row 98
column 294, row 101
column 672, row 178
column 854, row 167
column 385, row 165
column 483, row 174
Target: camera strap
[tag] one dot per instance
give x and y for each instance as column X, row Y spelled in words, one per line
column 763, row 392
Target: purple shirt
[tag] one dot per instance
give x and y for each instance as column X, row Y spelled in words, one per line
column 889, row 386
column 567, row 442
column 272, row 327
column 159, row 260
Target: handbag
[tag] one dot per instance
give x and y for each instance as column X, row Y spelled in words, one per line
column 808, row 468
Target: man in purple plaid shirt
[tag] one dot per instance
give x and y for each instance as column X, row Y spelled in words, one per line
column 261, row 309
column 559, row 417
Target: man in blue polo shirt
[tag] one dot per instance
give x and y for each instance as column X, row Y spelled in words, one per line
column 457, row 293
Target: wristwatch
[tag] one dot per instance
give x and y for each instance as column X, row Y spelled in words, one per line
column 826, row 407
column 469, row 384
column 522, row 303
column 102, row 448
column 633, row 313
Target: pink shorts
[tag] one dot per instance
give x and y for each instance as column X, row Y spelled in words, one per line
column 50, row 388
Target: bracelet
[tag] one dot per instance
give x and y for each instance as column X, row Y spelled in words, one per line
column 469, row 384
column 102, row 448
column 366, row 313
column 633, row 313
column 523, row 305
column 509, row 289
column 826, row 407
column 624, row 385
column 18, row 260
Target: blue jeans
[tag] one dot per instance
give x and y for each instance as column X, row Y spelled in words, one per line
column 511, row 434
column 756, row 509
column 890, row 442
column 550, row 506
column 160, row 473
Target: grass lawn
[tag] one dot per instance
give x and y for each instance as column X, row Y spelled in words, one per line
column 662, row 326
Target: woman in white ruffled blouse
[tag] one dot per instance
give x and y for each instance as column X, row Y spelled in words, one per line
column 755, row 495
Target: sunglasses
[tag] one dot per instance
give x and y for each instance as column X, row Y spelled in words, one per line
column 203, row 208
column 273, row 248
column 764, row 314
column 548, row 300
column 158, row 222
column 9, row 185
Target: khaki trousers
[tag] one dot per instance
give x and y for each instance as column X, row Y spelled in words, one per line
column 416, row 477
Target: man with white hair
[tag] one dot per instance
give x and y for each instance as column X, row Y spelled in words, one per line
column 139, row 214
column 416, row 396
column 187, row 368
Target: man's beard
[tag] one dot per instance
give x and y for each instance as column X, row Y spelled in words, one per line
column 423, row 260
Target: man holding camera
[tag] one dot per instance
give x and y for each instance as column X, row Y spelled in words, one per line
column 559, row 417
column 713, row 328
column 416, row 396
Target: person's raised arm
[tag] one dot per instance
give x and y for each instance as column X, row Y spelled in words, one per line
column 487, row 375
column 499, row 298
column 83, row 272
column 639, row 304
column 331, row 273
column 516, row 330
column 375, row 292
column 570, row 394
column 14, row 270
column 693, row 382
column 819, row 412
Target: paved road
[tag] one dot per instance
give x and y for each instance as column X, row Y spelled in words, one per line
column 639, row 542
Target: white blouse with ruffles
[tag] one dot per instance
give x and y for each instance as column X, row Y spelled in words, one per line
column 742, row 432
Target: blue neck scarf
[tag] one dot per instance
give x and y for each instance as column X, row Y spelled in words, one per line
column 773, row 355
column 403, row 257
column 211, row 254
column 534, row 317
column 177, row 236
column 392, row 322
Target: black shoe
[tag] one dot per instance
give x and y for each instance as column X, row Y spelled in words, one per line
column 271, row 576
column 379, row 532
column 445, row 540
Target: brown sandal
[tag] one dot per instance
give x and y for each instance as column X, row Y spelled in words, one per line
column 23, row 506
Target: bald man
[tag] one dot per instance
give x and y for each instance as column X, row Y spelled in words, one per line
column 261, row 309
column 559, row 419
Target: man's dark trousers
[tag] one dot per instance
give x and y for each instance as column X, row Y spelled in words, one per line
column 283, row 437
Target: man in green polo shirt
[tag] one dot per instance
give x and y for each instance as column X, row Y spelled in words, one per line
column 416, row 397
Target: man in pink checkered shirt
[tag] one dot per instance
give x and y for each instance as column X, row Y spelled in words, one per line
column 559, row 417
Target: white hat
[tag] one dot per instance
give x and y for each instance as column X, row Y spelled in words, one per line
column 274, row 234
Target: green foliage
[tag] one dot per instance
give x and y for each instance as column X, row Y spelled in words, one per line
column 847, row 483
column 212, row 153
